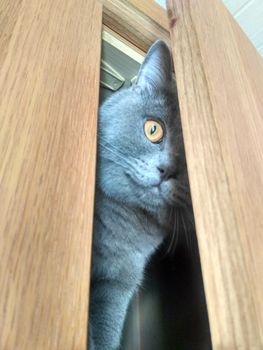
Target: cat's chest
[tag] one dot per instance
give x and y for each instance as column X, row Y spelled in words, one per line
column 123, row 240
column 127, row 229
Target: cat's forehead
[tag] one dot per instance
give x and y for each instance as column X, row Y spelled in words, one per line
column 161, row 107
column 127, row 106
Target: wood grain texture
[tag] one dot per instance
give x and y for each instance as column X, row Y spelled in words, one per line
column 49, row 85
column 153, row 10
column 136, row 25
column 220, row 83
column 8, row 16
column 121, row 40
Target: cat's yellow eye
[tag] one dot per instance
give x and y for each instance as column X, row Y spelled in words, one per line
column 153, row 131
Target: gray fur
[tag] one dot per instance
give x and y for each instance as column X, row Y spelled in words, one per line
column 135, row 200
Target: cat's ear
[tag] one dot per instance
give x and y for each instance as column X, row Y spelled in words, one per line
column 156, row 70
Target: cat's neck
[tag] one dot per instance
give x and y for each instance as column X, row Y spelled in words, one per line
column 102, row 197
column 160, row 217
column 128, row 225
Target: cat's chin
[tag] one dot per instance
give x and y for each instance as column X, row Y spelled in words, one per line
column 155, row 197
column 172, row 195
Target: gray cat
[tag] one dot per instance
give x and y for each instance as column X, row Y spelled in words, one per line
column 141, row 186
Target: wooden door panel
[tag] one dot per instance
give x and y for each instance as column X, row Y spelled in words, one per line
column 49, row 85
column 136, row 21
column 220, row 82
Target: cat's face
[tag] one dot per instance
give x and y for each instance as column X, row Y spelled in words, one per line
column 141, row 156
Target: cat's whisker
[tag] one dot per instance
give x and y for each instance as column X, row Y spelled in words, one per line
column 126, row 161
column 181, row 203
column 116, row 162
column 182, row 186
column 182, row 198
column 140, row 162
column 191, row 221
column 113, row 150
column 171, row 214
column 187, row 238
column 132, row 170
column 175, row 234
column 105, row 143
column 118, row 154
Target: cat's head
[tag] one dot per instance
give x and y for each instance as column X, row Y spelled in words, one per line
column 141, row 155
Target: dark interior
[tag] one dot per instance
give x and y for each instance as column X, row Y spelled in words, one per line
column 169, row 312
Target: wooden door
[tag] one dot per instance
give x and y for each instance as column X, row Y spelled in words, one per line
column 49, row 84
column 220, row 84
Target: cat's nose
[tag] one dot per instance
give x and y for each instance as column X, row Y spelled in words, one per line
column 166, row 172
